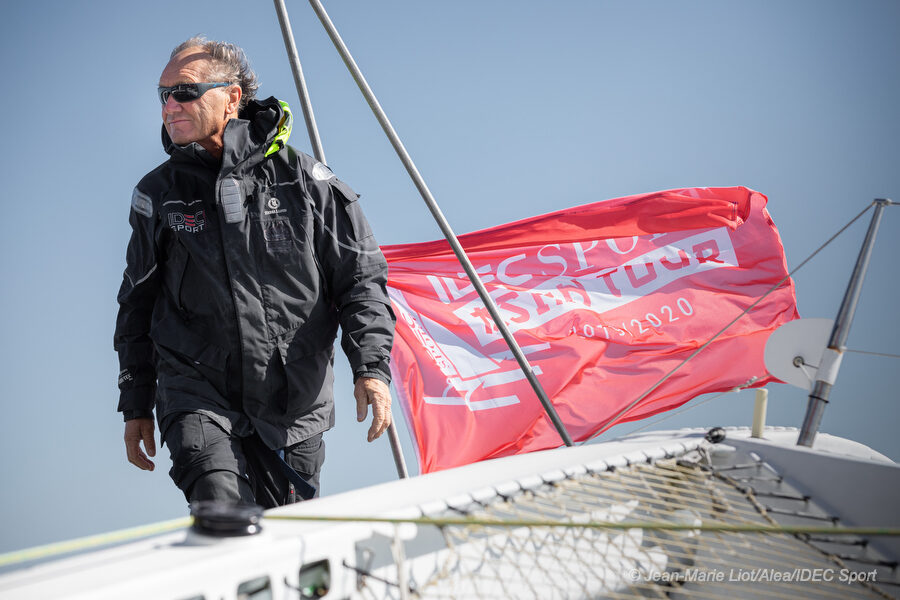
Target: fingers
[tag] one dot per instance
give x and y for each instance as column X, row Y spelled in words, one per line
column 381, row 419
column 148, row 437
column 137, row 457
column 362, row 400
column 137, row 431
column 375, row 392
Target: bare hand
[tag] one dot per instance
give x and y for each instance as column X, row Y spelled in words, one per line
column 373, row 391
column 137, row 431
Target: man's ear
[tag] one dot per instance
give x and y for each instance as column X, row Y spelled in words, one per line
column 234, row 99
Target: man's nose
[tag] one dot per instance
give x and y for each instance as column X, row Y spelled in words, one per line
column 171, row 105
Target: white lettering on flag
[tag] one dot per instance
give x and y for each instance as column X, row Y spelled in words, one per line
column 597, row 289
column 465, row 368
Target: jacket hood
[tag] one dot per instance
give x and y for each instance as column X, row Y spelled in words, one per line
column 263, row 126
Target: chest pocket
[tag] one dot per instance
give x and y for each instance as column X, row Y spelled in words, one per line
column 274, row 217
column 283, row 237
column 278, row 236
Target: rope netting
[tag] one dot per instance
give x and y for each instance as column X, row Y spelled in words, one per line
column 710, row 523
column 692, row 559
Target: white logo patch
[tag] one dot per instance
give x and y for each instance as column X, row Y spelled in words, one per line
column 272, row 204
column 321, row 172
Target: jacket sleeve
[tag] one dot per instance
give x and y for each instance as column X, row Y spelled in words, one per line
column 356, row 272
column 137, row 295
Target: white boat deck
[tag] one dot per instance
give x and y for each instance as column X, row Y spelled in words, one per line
column 840, row 483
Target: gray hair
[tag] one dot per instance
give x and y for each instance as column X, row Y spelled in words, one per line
column 228, row 63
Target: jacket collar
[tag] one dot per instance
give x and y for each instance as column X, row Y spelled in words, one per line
column 262, row 128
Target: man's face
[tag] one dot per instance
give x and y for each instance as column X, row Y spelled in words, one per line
column 202, row 120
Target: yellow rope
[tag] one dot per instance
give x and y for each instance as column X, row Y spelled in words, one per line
column 134, row 533
column 94, row 541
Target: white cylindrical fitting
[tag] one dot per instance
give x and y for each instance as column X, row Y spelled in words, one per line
column 759, row 412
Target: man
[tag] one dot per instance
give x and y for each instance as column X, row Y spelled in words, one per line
column 245, row 256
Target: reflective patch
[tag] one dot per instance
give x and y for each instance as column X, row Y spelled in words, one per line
column 321, row 172
column 191, row 203
column 232, row 203
column 125, row 376
column 141, row 203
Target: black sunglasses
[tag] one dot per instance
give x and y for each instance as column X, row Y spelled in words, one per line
column 187, row 92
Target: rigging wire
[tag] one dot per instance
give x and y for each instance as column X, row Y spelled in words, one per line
column 675, row 413
column 665, row 377
column 885, row 354
column 734, row 390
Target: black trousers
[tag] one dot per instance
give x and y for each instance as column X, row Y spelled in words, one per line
column 210, row 464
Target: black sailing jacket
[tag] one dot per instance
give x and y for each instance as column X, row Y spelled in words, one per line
column 238, row 275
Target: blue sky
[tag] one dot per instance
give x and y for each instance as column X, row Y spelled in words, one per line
column 510, row 109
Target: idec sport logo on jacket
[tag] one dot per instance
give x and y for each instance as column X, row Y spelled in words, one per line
column 189, row 223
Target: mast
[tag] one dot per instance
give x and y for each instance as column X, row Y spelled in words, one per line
column 830, row 362
column 316, row 142
column 458, row 250
column 289, row 45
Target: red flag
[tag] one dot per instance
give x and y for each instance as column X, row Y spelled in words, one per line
column 604, row 299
